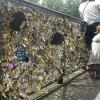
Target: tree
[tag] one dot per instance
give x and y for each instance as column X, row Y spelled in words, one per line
column 53, row 4
column 69, row 7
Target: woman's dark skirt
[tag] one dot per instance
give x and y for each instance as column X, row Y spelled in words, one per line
column 94, row 70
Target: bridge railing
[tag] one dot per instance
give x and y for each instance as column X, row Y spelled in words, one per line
column 48, row 63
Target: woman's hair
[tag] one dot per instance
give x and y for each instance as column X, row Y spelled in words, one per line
column 98, row 28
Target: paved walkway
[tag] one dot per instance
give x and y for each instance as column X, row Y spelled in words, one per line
column 83, row 88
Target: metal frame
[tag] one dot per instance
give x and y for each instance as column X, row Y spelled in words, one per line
column 52, row 12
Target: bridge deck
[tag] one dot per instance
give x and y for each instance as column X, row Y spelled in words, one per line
column 82, row 88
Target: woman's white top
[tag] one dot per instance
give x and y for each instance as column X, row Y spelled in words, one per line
column 95, row 52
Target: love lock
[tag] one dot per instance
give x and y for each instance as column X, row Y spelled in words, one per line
column 21, row 56
column 18, row 21
column 57, row 38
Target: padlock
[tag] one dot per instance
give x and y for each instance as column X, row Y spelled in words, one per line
column 57, row 38
column 21, row 56
column 18, row 21
column 10, row 66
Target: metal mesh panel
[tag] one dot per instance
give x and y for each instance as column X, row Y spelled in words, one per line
column 47, row 62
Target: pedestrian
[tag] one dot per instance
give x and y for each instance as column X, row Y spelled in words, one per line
column 94, row 59
column 90, row 14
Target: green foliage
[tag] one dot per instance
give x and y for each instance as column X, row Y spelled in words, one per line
column 35, row 1
column 70, row 7
column 53, row 4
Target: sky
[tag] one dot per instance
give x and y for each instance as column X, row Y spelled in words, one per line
column 40, row 1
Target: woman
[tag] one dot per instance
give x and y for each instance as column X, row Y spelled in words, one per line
column 94, row 59
column 90, row 13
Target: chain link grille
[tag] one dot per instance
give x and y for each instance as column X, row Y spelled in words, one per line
column 47, row 62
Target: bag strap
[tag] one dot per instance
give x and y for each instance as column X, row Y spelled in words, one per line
column 84, row 9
